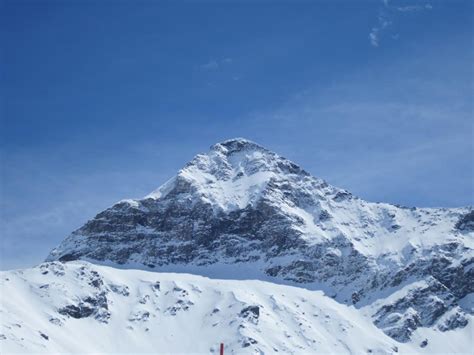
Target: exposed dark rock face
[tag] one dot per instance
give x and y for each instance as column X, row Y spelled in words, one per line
column 79, row 311
column 466, row 222
column 57, row 269
column 140, row 317
column 96, row 306
column 120, row 289
column 242, row 204
column 250, row 311
column 248, row 342
column 421, row 306
column 455, row 319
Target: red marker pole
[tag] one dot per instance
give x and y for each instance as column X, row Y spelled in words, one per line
column 222, row 349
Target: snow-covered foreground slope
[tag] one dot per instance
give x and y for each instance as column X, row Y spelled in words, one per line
column 80, row 307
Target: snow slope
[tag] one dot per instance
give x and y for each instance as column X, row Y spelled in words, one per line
column 132, row 311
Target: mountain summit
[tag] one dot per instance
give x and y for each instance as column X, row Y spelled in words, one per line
column 241, row 211
column 231, row 175
column 239, row 195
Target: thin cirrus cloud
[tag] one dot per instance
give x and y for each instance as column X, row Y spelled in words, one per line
column 374, row 35
column 387, row 14
column 414, row 8
column 215, row 64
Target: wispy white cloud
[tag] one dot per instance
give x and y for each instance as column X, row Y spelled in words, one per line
column 211, row 65
column 386, row 16
column 214, row 64
column 412, row 8
column 374, row 35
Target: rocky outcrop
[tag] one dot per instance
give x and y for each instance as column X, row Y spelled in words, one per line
column 466, row 222
column 422, row 304
column 95, row 305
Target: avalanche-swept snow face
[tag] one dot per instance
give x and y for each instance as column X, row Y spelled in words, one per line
column 82, row 308
column 243, row 212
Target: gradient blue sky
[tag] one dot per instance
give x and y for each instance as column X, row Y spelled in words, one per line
column 105, row 100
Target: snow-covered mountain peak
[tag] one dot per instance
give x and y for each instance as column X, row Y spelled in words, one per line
column 233, row 174
column 233, row 145
column 236, row 157
column 242, row 211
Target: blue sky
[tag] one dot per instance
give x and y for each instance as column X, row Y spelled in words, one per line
column 105, row 100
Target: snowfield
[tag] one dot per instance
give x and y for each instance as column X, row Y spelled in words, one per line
column 79, row 307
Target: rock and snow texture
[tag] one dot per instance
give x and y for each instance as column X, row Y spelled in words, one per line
column 79, row 307
column 243, row 212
